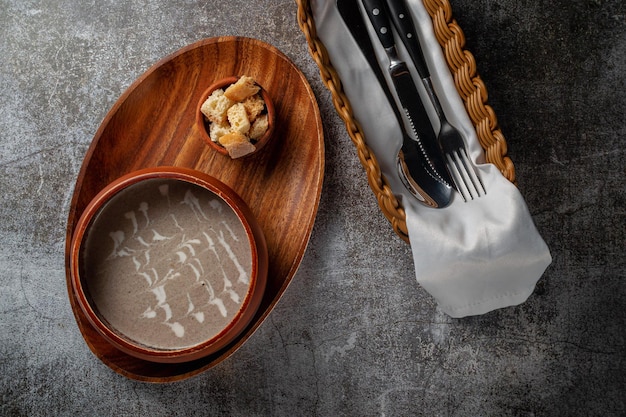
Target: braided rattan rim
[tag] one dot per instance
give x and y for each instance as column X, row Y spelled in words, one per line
column 467, row 81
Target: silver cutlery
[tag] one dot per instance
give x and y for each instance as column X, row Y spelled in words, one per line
column 420, row 164
column 464, row 175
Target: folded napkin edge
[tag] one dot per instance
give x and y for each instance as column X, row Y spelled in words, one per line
column 477, row 308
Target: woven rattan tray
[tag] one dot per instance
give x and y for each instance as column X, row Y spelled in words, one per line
column 468, row 84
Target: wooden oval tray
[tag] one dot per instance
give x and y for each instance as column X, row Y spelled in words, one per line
column 153, row 124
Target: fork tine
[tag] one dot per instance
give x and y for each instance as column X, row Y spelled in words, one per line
column 465, row 179
column 457, row 176
column 469, row 169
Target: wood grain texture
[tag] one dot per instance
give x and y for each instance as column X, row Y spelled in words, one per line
column 153, row 124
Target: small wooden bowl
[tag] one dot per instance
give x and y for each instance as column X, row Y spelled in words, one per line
column 203, row 123
column 168, row 264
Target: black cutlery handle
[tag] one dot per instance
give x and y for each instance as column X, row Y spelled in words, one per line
column 403, row 22
column 377, row 12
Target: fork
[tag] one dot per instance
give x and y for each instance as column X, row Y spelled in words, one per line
column 465, row 178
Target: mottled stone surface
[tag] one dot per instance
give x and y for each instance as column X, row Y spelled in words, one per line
column 354, row 334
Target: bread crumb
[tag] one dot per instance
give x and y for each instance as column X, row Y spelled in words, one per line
column 217, row 130
column 237, row 144
column 254, row 106
column 242, row 89
column 238, row 118
column 259, row 127
column 216, row 106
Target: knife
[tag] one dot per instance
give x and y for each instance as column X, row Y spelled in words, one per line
column 425, row 177
column 403, row 22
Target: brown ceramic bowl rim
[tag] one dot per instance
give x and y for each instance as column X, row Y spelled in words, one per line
column 203, row 124
column 248, row 306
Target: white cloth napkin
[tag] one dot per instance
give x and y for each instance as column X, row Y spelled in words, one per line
column 471, row 257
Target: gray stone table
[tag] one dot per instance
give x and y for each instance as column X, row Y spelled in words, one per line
column 354, row 334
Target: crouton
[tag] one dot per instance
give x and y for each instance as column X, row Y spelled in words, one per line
column 238, row 118
column 254, row 106
column 242, row 89
column 216, row 106
column 217, row 130
column 259, row 127
column 237, row 144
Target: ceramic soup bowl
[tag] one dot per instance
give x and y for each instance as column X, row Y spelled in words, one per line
column 168, row 264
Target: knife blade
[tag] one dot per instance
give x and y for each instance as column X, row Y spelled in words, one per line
column 419, row 173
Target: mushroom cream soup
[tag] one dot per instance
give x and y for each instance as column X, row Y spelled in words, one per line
column 167, row 264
